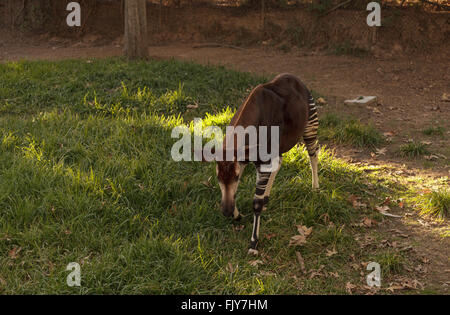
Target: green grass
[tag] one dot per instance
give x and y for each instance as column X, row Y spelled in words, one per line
column 434, row 131
column 413, row 149
column 348, row 131
column 390, row 262
column 435, row 203
column 86, row 176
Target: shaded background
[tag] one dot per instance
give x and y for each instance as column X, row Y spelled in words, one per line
column 407, row 26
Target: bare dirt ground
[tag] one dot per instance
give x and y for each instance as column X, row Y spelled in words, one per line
column 410, row 92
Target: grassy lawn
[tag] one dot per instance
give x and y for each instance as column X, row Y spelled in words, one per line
column 86, row 176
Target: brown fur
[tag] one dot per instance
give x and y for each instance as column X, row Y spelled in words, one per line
column 281, row 102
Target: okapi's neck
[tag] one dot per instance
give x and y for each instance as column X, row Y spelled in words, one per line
column 248, row 114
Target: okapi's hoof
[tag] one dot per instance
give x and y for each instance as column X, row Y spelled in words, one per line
column 253, row 246
column 238, row 218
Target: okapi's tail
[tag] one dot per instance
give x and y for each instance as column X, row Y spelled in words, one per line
column 310, row 134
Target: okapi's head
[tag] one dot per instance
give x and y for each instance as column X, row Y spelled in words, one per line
column 229, row 168
column 228, row 174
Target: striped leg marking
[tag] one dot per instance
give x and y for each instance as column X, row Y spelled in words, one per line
column 314, row 160
column 310, row 137
column 264, row 182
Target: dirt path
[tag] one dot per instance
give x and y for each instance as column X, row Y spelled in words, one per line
column 409, row 91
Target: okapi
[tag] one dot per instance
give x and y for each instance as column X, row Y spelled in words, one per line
column 284, row 102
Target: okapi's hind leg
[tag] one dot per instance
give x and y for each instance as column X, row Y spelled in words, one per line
column 314, row 161
column 264, row 182
column 312, row 144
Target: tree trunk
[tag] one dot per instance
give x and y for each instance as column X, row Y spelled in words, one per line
column 263, row 16
column 136, row 39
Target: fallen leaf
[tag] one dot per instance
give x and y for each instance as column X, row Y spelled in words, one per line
column 420, row 269
column 425, row 260
column 255, row 263
column 382, row 208
column 270, row 236
column 315, row 274
column 297, row 240
column 431, row 157
column 301, row 261
column 368, row 222
column 230, row 268
column 334, row 274
column 352, row 199
column 355, row 266
column 388, row 134
column 377, row 111
column 321, row 101
column 355, row 203
column 267, row 273
column 331, row 252
column 325, row 218
column 381, row 151
column 14, row 253
column 349, row 287
column 445, row 97
column 303, row 230
column 392, row 288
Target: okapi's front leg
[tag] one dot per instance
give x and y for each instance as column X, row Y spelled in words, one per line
column 236, row 214
column 264, row 182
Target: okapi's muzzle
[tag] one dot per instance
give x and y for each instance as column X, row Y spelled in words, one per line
column 227, row 207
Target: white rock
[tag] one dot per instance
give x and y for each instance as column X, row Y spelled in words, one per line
column 367, row 100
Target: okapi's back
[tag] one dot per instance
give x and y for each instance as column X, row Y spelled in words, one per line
column 284, row 102
column 296, row 109
column 287, row 85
